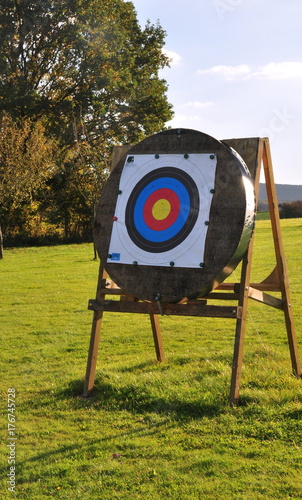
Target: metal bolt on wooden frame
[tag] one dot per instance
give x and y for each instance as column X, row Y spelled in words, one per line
column 255, row 152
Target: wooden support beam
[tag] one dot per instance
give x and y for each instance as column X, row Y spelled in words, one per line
column 269, row 300
column 222, row 296
column 271, row 283
column 196, row 309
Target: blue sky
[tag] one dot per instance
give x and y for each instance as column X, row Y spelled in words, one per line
column 236, row 71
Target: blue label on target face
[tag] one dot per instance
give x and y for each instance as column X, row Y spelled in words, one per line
column 116, row 257
column 162, row 210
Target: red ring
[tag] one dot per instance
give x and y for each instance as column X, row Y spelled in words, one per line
column 161, row 194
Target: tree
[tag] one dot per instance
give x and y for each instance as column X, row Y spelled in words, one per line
column 26, row 162
column 290, row 210
column 74, row 190
column 92, row 73
column 85, row 64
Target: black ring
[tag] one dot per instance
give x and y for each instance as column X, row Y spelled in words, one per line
column 164, row 246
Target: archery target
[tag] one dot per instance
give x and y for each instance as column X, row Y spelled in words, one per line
column 162, row 210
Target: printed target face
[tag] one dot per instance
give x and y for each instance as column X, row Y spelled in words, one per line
column 159, row 218
column 162, row 210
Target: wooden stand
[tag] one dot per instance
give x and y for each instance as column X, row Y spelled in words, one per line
column 255, row 152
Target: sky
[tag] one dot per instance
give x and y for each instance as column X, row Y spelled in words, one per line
column 236, row 71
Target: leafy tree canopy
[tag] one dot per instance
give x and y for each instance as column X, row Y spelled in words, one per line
column 27, row 160
column 86, row 65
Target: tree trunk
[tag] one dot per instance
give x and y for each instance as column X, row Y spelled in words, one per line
column 94, row 247
column 66, row 224
column 1, row 244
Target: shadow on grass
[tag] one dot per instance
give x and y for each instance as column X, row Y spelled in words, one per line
column 111, row 397
column 140, row 400
column 145, row 366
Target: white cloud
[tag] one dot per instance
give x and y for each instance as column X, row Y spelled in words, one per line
column 197, row 104
column 227, row 72
column 176, row 58
column 271, row 71
column 279, row 71
column 185, row 121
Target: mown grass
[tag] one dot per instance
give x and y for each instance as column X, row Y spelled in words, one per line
column 263, row 215
column 150, row 430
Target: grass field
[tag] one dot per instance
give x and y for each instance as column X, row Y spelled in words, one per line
column 262, row 215
column 150, row 430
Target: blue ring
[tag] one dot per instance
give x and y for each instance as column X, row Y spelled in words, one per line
column 152, row 181
column 170, row 232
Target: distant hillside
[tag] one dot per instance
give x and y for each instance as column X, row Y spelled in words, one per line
column 285, row 192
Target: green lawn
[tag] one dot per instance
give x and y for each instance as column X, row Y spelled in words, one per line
column 262, row 215
column 150, row 430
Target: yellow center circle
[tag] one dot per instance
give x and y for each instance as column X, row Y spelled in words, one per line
column 161, row 209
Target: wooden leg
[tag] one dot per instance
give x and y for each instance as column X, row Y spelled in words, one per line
column 94, row 337
column 243, row 297
column 240, row 330
column 280, row 258
column 292, row 340
column 93, row 352
column 237, row 362
column 158, row 341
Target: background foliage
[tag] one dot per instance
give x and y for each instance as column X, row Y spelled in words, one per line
column 291, row 210
column 86, row 75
